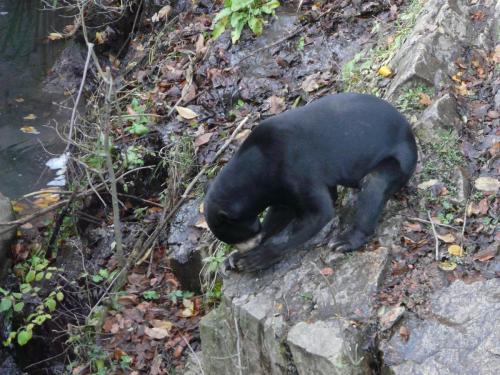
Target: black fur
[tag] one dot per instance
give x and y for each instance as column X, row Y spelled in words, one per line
column 292, row 163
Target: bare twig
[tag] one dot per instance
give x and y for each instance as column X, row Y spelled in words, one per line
column 238, row 346
column 196, row 357
column 436, row 239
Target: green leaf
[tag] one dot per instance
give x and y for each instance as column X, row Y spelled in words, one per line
column 256, row 25
column 237, row 18
column 48, row 276
column 25, row 288
column 39, row 276
column 23, row 337
column 138, row 129
column 18, row 307
column 17, row 295
column 51, row 304
column 5, row 304
column 60, row 296
column 97, row 279
column 30, row 276
column 219, row 28
column 236, row 32
column 222, row 14
column 240, row 4
column 270, row 6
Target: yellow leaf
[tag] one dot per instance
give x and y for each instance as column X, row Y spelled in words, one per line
column 447, row 265
column 385, row 71
column 456, row 250
column 55, row 36
column 29, row 130
column 45, row 200
column 31, row 116
column 100, row 38
column 18, row 207
column 186, row 113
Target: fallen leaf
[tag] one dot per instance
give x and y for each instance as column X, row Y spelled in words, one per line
column 18, row 207
column 425, row 100
column 19, row 100
column 494, row 150
column 186, row 113
column 385, row 71
column 129, row 299
column 277, row 104
column 31, row 116
column 201, row 223
column 412, row 227
column 164, row 324
column 156, row 333
column 164, row 12
column 447, row 265
column 29, row 130
column 456, row 250
column 461, row 89
column 200, row 45
column 45, row 200
column 427, row 184
column 242, row 135
column 315, row 81
column 327, row 271
column 486, row 254
column 100, row 38
column 487, row 184
column 188, row 310
column 447, row 238
column 55, row 36
column 203, row 139
column 404, row 332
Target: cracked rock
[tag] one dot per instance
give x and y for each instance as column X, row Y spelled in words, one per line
column 461, row 335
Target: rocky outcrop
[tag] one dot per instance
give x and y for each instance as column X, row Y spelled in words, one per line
column 6, row 233
column 460, row 334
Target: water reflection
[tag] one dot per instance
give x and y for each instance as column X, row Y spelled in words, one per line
column 25, row 58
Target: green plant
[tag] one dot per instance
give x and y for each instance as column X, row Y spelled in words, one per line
column 410, row 98
column 150, row 295
column 180, row 295
column 34, row 270
column 133, row 156
column 104, row 274
column 138, row 118
column 238, row 13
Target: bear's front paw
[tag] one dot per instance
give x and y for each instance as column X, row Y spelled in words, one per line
column 349, row 241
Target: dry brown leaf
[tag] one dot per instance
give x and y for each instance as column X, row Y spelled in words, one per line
column 404, row 332
column 164, row 324
column 425, row 99
column 29, row 130
column 461, row 89
column 277, row 104
column 447, row 238
column 203, row 139
column 315, row 81
column 201, row 223
column 487, row 254
column 200, row 45
column 487, row 184
column 164, row 12
column 100, row 38
column 31, row 116
column 186, row 113
column 46, row 200
column 327, row 271
column 157, row 333
column 129, row 299
column 412, row 227
column 242, row 135
column 188, row 310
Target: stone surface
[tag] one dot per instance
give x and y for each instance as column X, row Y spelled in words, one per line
column 461, row 334
column 6, row 234
column 258, row 311
column 441, row 115
column 320, row 347
column 8, row 366
column 183, row 241
column 443, row 29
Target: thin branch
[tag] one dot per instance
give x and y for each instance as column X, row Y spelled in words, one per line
column 436, row 239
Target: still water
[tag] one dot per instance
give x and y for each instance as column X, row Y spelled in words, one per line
column 25, row 59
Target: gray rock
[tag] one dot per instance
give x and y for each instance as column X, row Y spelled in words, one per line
column 461, row 335
column 257, row 313
column 183, row 242
column 325, row 348
column 6, row 233
column 8, row 366
column 441, row 115
column 442, row 30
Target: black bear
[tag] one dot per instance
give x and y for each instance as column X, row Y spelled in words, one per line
column 291, row 165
